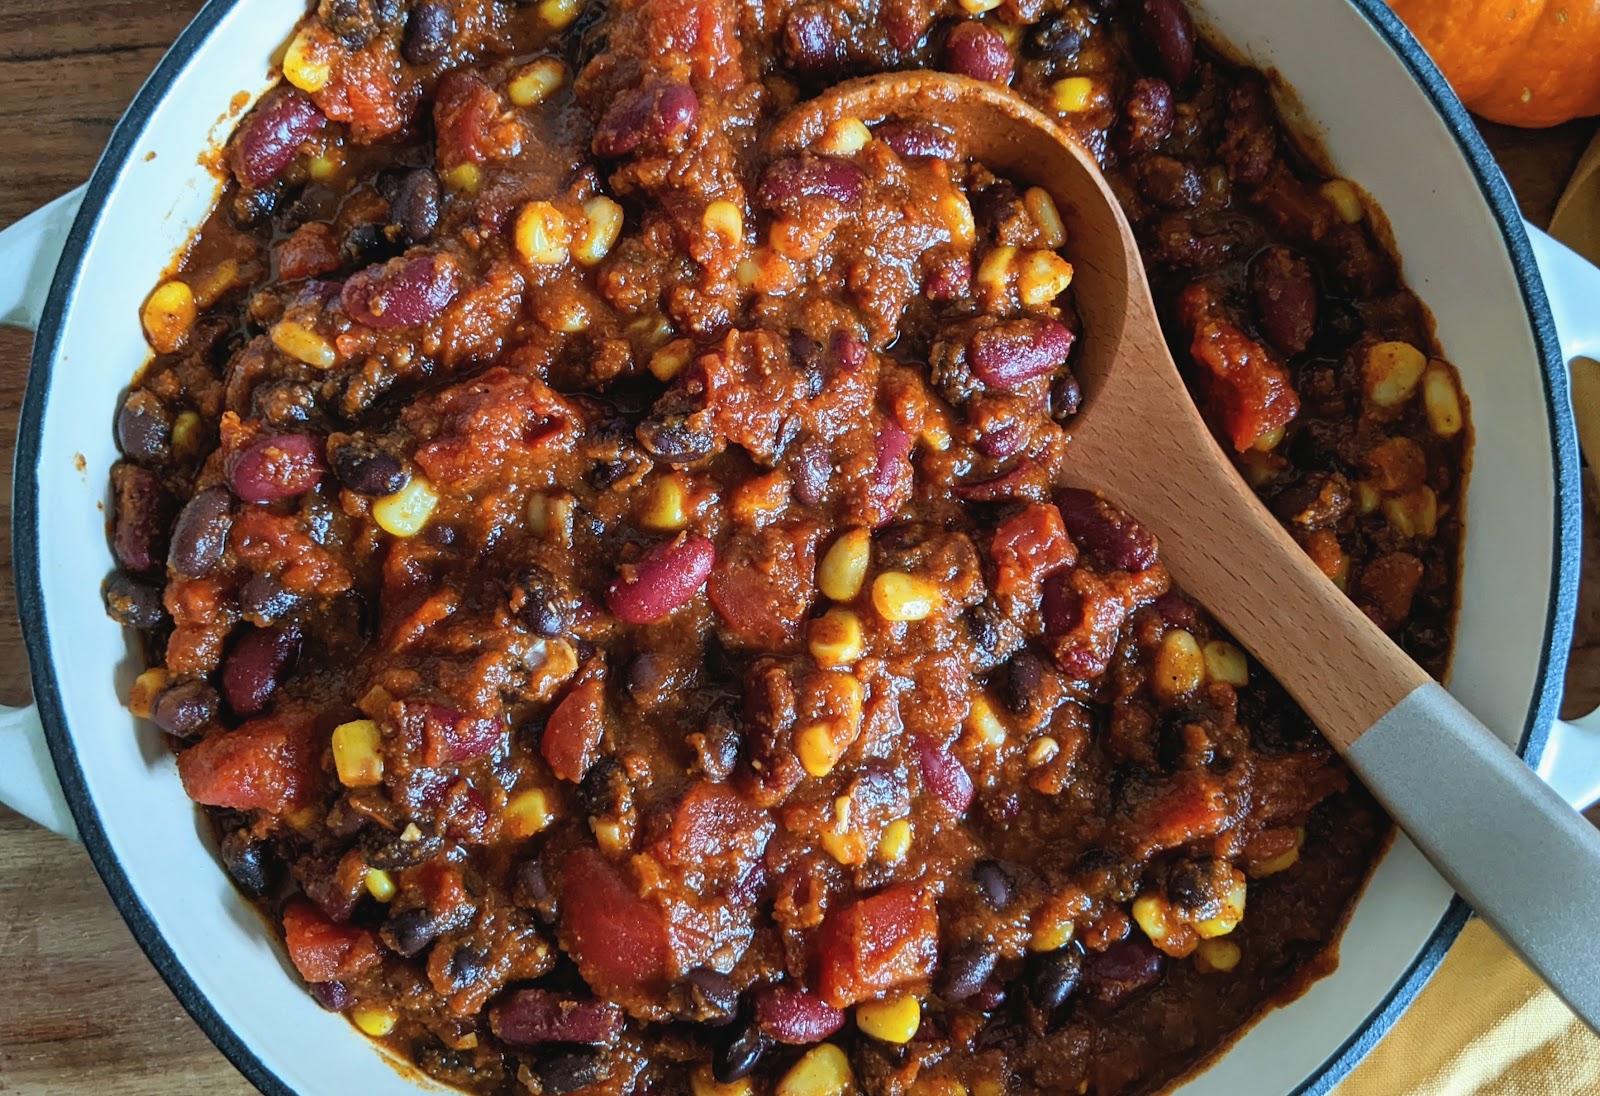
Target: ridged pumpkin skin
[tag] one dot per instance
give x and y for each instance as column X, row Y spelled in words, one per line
column 1521, row 62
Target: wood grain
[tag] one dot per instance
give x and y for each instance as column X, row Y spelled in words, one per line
column 85, row 1013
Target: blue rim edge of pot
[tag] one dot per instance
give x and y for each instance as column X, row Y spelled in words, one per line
column 46, row 689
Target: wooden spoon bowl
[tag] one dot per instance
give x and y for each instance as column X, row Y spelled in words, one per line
column 1526, row 861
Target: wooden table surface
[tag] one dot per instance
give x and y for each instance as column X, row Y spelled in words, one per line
column 85, row 1012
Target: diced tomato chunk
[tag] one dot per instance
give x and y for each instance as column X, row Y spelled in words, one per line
column 877, row 944
column 323, row 950
column 449, row 735
column 268, row 764
column 572, row 734
column 1245, row 386
column 1027, row 549
column 763, row 585
column 715, row 828
column 617, row 938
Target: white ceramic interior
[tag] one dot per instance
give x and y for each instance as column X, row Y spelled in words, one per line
column 1380, row 127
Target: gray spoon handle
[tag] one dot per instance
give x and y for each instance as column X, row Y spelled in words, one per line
column 1520, row 856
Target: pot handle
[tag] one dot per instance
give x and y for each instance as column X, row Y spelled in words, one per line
column 29, row 252
column 1571, row 761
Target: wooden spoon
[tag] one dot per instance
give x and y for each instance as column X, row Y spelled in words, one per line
column 1525, row 860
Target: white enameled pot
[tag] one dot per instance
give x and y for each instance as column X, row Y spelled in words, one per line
column 78, row 270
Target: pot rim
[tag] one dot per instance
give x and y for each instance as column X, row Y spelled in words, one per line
column 1560, row 611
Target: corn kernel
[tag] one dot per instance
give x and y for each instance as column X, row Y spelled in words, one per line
column 304, row 345
column 1442, row 401
column 902, row 597
column 1344, row 199
column 1284, row 860
column 560, row 14
column 146, row 687
column 1217, row 956
column 1052, row 929
column 725, row 221
column 379, row 884
column 666, row 507
column 846, row 137
column 895, row 842
column 1227, row 664
column 534, row 83
column 892, row 1020
column 956, row 213
column 824, row 1071
column 542, row 235
column 1232, row 913
column 325, row 164
column 836, row 638
column 168, row 315
column 1414, row 514
column 1391, row 371
column 569, row 317
column 669, row 361
column 1153, row 915
column 988, row 1086
column 1367, row 497
column 818, row 749
column 551, row 516
column 1266, row 443
column 978, row 7
column 355, row 753
column 1045, row 216
column 1042, row 751
column 995, row 272
column 528, row 813
column 843, row 569
column 984, row 723
column 1179, row 667
column 1042, row 277
column 376, row 1022
column 1072, row 94
column 938, row 1086
column 305, row 64
column 406, row 512
column 466, row 178
column 703, row 1083
column 186, row 433
column 598, row 231
column 609, row 835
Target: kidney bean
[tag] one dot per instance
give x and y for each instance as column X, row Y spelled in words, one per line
column 1002, row 440
column 1169, row 30
column 333, row 996
column 428, row 33
column 943, row 775
column 144, row 427
column 402, row 292
column 1024, row 683
column 201, row 533
column 1147, row 117
column 646, row 118
column 978, row 51
column 409, row 932
column 276, row 466
column 133, row 604
column 949, row 280
column 1012, row 352
column 1055, row 978
column 271, row 137
column 142, row 509
column 1122, row 969
column 664, row 580
column 186, row 709
column 812, row 472
column 1286, row 298
column 569, row 1071
column 255, row 666
column 913, row 140
column 713, row 998
column 1003, row 486
column 1060, row 606
column 739, row 1053
column 788, row 182
column 964, row 972
column 811, row 42
column 531, row 1016
column 892, row 474
column 414, row 199
column 362, row 467
column 248, row 863
column 794, row 1016
column 1100, row 528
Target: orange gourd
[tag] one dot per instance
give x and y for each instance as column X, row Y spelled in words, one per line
column 1522, row 62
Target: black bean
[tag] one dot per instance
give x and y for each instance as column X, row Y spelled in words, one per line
column 367, row 470
column 410, row 931
column 674, row 439
column 134, row 604
column 739, row 1052
column 256, row 665
column 713, row 998
column 966, row 970
column 248, row 862
column 283, row 405
column 428, row 33
column 414, row 206
column 996, row 882
column 391, row 852
column 1055, row 978
column 1182, row 743
column 263, row 600
column 570, row 1070
column 542, row 603
column 466, row 966
column 186, row 709
column 1198, row 888
column 333, row 996
column 252, row 206
column 1024, row 681
column 531, row 888
column 201, row 533
column 141, row 510
column 605, row 788
column 144, row 428
column 1066, row 396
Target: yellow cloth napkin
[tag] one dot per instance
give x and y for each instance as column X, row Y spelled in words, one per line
column 1484, row 1026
